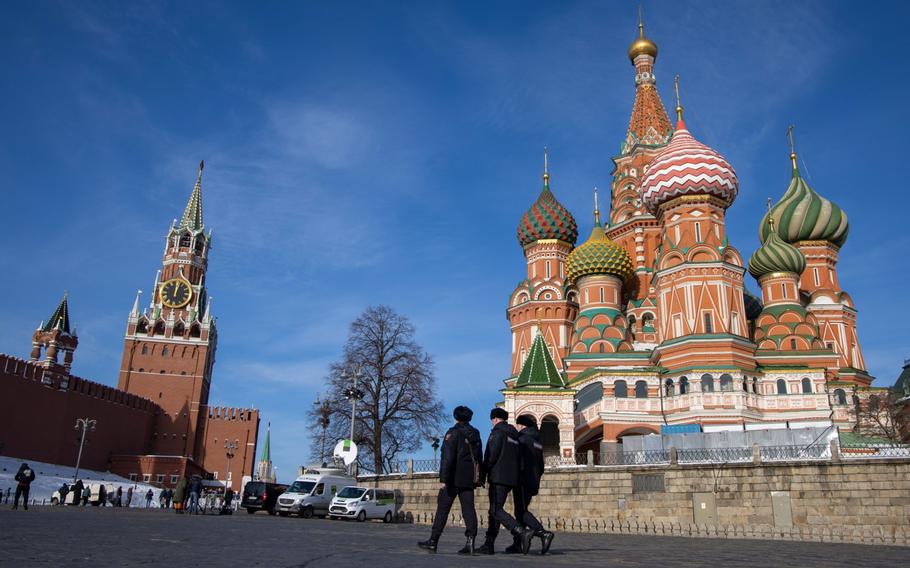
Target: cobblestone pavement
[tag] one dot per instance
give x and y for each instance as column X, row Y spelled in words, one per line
column 57, row 536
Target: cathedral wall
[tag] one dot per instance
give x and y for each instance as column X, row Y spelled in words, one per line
column 38, row 412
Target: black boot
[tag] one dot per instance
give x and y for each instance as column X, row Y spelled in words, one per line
column 468, row 547
column 523, row 536
column 486, row 548
column 429, row 544
column 515, row 547
column 546, row 539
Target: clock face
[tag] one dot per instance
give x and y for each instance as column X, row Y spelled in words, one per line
column 176, row 293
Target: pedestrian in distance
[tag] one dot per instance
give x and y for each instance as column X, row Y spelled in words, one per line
column 169, row 494
column 86, row 495
column 63, row 492
column 102, row 496
column 180, row 496
column 195, row 489
column 118, row 500
column 77, row 492
column 531, row 452
column 459, row 473
column 148, row 498
column 501, row 465
column 24, row 478
column 129, row 496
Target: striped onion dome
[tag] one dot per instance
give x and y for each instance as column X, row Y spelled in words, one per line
column 598, row 255
column 803, row 215
column 776, row 255
column 753, row 304
column 547, row 219
column 687, row 167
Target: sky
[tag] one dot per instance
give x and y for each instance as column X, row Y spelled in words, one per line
column 364, row 153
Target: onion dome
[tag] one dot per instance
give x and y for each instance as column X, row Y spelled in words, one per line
column 687, row 167
column 803, row 215
column 642, row 45
column 752, row 303
column 598, row 255
column 547, row 218
column 775, row 255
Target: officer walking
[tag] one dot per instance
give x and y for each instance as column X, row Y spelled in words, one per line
column 459, row 474
column 531, row 452
column 501, row 462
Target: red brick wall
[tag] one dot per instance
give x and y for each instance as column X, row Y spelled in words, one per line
column 38, row 411
column 240, row 425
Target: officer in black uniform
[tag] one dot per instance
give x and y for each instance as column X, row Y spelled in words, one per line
column 531, row 453
column 501, row 462
column 461, row 457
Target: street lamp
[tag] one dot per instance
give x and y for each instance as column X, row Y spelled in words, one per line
column 353, row 393
column 229, row 448
column 86, row 424
column 324, row 412
column 435, row 447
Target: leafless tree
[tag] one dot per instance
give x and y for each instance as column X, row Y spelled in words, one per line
column 882, row 414
column 399, row 410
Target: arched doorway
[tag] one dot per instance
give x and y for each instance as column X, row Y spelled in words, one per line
column 549, row 435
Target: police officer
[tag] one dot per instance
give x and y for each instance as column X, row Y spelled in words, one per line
column 501, row 462
column 460, row 458
column 531, row 453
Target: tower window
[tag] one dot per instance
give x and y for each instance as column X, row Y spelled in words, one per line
column 145, row 349
column 815, row 273
column 620, row 389
column 792, row 344
column 709, row 327
column 676, row 233
column 601, row 295
column 677, row 325
column 548, row 269
column 164, row 352
column 734, row 320
column 698, row 232
column 781, row 386
column 783, row 290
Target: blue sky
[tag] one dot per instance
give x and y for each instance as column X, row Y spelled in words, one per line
column 360, row 153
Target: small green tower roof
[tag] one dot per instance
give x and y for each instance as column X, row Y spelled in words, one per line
column 60, row 318
column 266, row 450
column 539, row 370
column 192, row 215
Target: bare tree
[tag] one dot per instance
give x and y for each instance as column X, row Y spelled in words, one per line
column 399, row 410
column 882, row 414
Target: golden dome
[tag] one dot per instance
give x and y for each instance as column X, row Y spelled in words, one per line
column 642, row 45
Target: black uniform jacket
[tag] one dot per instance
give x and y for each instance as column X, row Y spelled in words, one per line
column 531, row 450
column 501, row 460
column 456, row 468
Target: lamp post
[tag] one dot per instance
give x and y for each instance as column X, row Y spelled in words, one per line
column 86, row 424
column 229, row 448
column 324, row 413
column 435, row 448
column 353, row 394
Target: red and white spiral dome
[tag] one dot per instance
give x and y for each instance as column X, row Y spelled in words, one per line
column 687, row 167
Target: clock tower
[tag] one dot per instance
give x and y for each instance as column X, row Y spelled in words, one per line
column 169, row 348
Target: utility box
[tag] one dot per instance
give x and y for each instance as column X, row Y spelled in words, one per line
column 780, row 507
column 704, row 509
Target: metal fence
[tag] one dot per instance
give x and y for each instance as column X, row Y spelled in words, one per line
column 874, row 450
column 796, row 453
column 714, row 455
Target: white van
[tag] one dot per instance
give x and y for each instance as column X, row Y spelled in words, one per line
column 361, row 503
column 312, row 493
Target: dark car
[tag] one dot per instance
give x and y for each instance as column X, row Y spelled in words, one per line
column 261, row 496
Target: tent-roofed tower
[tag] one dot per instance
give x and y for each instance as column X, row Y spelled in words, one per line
column 630, row 225
column 56, row 335
column 264, row 469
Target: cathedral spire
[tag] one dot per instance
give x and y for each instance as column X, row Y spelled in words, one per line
column 60, row 319
column 596, row 209
column 792, row 148
column 679, row 108
column 192, row 215
column 649, row 124
column 546, row 168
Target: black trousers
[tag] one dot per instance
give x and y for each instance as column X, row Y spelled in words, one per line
column 444, row 504
column 23, row 492
column 498, row 516
column 522, row 509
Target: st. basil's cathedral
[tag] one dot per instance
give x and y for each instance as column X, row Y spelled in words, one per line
column 648, row 326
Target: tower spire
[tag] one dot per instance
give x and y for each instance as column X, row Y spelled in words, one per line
column 192, row 215
column 770, row 217
column 596, row 209
column 60, row 319
column 792, row 147
column 546, row 169
column 679, row 108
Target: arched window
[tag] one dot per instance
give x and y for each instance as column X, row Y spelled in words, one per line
column 755, row 385
column 164, row 352
column 588, row 396
column 145, row 349
column 641, row 389
column 707, row 383
column 840, row 397
column 781, row 386
column 632, row 322
column 745, row 384
column 185, row 241
column 726, row 382
column 668, row 387
column 684, row 385
column 620, row 389
column 601, row 347
column 807, row 385
column 647, row 322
